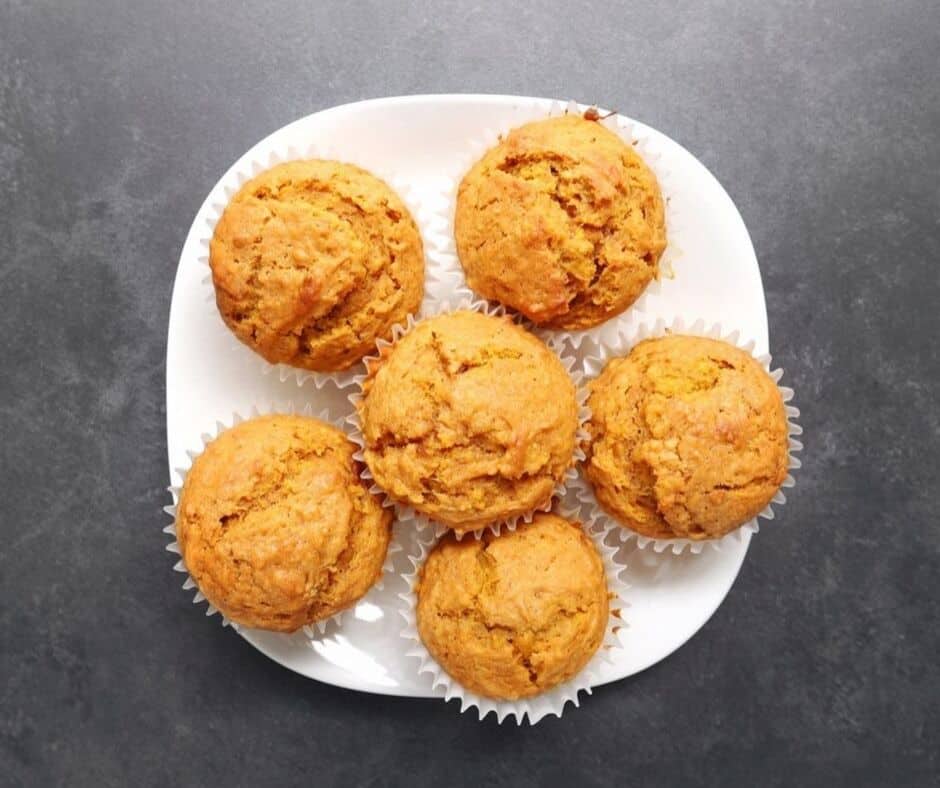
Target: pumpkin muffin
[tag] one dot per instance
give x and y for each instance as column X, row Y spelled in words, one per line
column 275, row 525
column 313, row 261
column 562, row 221
column 688, row 438
column 514, row 615
column 470, row 419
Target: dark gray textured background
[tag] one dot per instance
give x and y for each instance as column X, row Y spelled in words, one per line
column 821, row 120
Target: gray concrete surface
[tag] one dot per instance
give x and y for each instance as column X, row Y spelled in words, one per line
column 821, row 119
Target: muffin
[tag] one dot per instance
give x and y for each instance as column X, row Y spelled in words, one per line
column 275, row 525
column 514, row 615
column 470, row 419
column 313, row 261
column 688, row 438
column 562, row 221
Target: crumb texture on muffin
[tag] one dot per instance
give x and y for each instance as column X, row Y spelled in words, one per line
column 514, row 615
column 470, row 419
column 276, row 527
column 312, row 261
column 688, row 438
column 563, row 221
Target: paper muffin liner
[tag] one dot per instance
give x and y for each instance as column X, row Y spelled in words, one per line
column 551, row 702
column 409, row 513
column 317, row 628
column 269, row 154
column 620, row 345
column 441, row 227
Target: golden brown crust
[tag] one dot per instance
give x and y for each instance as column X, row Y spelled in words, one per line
column 275, row 525
column 313, row 261
column 469, row 419
column 562, row 221
column 688, row 438
column 514, row 615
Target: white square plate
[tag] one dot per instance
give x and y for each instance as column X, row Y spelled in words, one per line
column 421, row 138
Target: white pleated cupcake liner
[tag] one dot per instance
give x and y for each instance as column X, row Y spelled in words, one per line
column 621, row 344
column 441, row 227
column 420, row 520
column 270, row 154
column 551, row 702
column 311, row 630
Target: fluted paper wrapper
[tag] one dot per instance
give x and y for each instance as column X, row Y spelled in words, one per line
column 311, row 630
column 619, row 345
column 408, row 513
column 441, row 227
column 552, row 702
column 270, row 154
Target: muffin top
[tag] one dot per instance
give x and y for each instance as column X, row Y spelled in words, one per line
column 514, row 615
column 688, row 438
column 313, row 261
column 469, row 419
column 563, row 221
column 276, row 527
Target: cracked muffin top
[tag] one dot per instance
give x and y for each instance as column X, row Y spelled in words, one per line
column 276, row 527
column 470, row 419
column 313, row 261
column 514, row 615
column 688, row 438
column 562, row 221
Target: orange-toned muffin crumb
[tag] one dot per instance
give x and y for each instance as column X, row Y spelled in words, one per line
column 313, row 261
column 276, row 527
column 470, row 419
column 514, row 615
column 688, row 438
column 562, row 221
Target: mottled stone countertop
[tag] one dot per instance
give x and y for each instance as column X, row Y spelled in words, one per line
column 822, row 120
